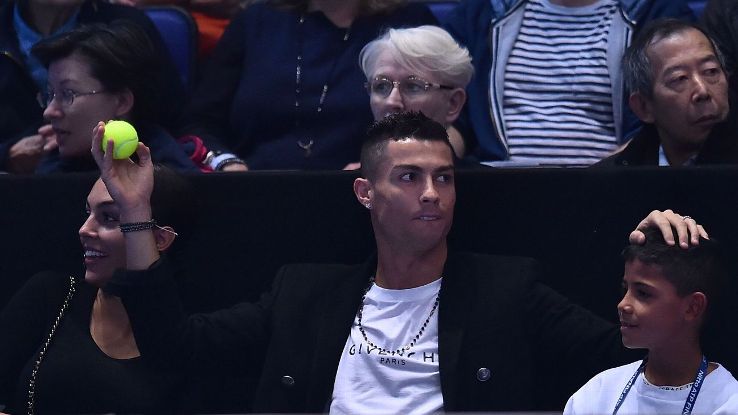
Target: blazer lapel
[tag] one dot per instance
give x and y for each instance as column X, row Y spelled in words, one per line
column 454, row 307
column 337, row 316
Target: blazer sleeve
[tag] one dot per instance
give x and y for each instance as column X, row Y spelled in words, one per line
column 231, row 338
column 570, row 340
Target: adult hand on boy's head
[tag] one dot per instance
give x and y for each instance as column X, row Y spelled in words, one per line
column 688, row 231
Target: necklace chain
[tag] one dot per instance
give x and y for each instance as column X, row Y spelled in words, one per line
column 414, row 340
column 307, row 143
column 45, row 347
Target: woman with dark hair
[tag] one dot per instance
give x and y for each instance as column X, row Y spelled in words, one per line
column 283, row 89
column 24, row 136
column 67, row 346
column 98, row 73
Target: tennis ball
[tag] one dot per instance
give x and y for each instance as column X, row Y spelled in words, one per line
column 124, row 136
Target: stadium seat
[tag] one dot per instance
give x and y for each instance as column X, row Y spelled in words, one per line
column 179, row 32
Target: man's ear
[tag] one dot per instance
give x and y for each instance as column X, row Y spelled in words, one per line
column 456, row 101
column 642, row 107
column 363, row 191
column 696, row 306
column 164, row 237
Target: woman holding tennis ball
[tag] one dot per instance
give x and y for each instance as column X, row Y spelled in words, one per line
column 102, row 73
column 67, row 346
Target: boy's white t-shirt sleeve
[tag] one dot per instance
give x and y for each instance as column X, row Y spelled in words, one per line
column 719, row 395
column 600, row 394
column 579, row 403
column 729, row 408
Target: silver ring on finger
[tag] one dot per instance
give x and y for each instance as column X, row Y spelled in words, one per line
column 685, row 218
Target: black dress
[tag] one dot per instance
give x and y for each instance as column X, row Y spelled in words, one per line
column 75, row 376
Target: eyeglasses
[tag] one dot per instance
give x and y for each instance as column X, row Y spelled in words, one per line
column 66, row 97
column 411, row 87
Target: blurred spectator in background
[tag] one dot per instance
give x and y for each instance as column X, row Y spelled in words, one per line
column 720, row 19
column 211, row 17
column 24, row 137
column 418, row 69
column 283, row 89
column 678, row 88
column 548, row 88
column 99, row 73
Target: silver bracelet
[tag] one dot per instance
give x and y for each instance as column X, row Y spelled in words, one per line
column 137, row 226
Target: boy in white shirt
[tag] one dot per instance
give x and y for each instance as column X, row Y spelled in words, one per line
column 668, row 293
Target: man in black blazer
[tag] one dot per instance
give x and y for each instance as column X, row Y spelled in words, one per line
column 416, row 329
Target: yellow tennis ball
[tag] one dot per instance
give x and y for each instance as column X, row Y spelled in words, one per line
column 124, row 136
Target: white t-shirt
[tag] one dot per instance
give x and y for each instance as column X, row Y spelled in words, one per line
column 718, row 395
column 371, row 382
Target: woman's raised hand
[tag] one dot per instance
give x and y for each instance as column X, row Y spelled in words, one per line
column 129, row 183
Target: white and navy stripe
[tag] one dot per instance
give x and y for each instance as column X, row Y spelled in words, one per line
column 557, row 103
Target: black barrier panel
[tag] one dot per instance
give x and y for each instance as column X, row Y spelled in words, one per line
column 574, row 221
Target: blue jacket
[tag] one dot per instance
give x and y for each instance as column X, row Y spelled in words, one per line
column 488, row 28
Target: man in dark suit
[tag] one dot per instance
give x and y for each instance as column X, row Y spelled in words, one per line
column 678, row 87
column 416, row 329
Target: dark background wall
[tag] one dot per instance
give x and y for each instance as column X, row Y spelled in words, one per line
column 575, row 222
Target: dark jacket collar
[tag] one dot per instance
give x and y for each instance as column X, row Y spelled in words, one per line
column 721, row 147
column 452, row 317
column 642, row 150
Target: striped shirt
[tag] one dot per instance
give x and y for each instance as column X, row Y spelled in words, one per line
column 557, row 102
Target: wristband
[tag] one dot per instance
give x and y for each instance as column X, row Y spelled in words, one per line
column 219, row 160
column 231, row 160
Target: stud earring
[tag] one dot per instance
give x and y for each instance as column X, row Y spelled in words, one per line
column 368, row 205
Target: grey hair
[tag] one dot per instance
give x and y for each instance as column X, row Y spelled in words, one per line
column 637, row 71
column 425, row 49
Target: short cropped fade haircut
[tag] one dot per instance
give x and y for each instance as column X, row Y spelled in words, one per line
column 699, row 268
column 638, row 73
column 397, row 127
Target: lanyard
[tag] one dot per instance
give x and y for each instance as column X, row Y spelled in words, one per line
column 691, row 398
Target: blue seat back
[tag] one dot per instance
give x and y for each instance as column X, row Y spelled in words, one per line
column 179, row 32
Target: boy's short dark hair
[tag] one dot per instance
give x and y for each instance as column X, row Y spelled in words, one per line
column 396, row 127
column 699, row 268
